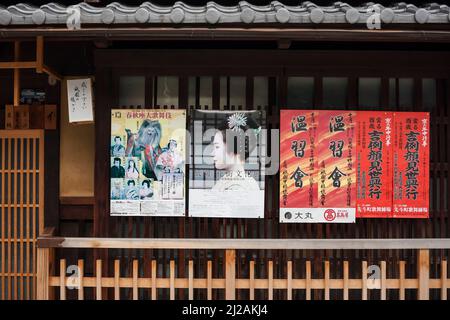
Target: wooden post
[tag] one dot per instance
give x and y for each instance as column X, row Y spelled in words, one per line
column 39, row 54
column 16, row 74
column 444, row 280
column 423, row 272
column 230, row 274
column 42, row 274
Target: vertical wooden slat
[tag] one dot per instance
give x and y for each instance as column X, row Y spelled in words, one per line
column 172, row 280
column 16, row 74
column 21, row 220
column 216, row 93
column 444, row 280
column 326, row 280
column 33, row 211
column 3, row 206
column 447, row 89
column 209, row 280
column 270, row 280
column 230, row 274
column 149, row 91
column 154, row 280
column 42, row 279
column 383, row 280
column 401, row 293
column 116, row 279
column 308, row 280
column 15, row 208
column 80, row 279
column 345, row 272
column 135, row 279
column 98, row 279
column 249, row 94
column 364, row 280
column 289, row 280
column 423, row 266
column 62, row 279
column 8, row 268
column 252, row 280
column 191, row 279
column 28, row 212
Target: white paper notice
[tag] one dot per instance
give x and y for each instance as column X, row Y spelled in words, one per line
column 80, row 103
column 226, row 204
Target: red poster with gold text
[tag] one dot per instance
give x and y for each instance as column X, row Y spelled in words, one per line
column 411, row 165
column 374, row 164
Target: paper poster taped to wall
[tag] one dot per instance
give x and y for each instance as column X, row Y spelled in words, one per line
column 374, row 164
column 80, row 101
column 333, row 163
column 411, row 165
column 147, row 168
column 317, row 166
column 227, row 166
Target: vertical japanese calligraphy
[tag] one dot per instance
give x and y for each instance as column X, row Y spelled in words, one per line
column 374, row 164
column 80, row 103
column 337, row 169
column 336, row 166
column 411, row 165
column 298, row 139
column 317, row 170
column 147, row 171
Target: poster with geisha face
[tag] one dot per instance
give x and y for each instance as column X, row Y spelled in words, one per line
column 147, row 167
column 226, row 178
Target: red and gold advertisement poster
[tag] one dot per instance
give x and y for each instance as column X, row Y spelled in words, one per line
column 317, row 166
column 298, row 165
column 411, row 165
column 337, row 165
column 374, row 164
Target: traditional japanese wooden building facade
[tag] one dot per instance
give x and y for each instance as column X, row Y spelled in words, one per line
column 55, row 175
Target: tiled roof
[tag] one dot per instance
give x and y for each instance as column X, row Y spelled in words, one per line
column 212, row 13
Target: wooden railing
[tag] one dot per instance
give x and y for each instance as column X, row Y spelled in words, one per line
column 47, row 281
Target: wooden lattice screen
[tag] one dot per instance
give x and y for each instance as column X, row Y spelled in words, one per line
column 21, row 210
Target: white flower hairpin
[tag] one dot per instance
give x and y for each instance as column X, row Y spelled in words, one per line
column 236, row 121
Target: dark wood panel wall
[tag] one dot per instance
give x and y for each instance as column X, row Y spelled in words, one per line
column 90, row 216
column 278, row 66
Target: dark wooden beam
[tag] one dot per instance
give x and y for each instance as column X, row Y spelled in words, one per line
column 405, row 35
